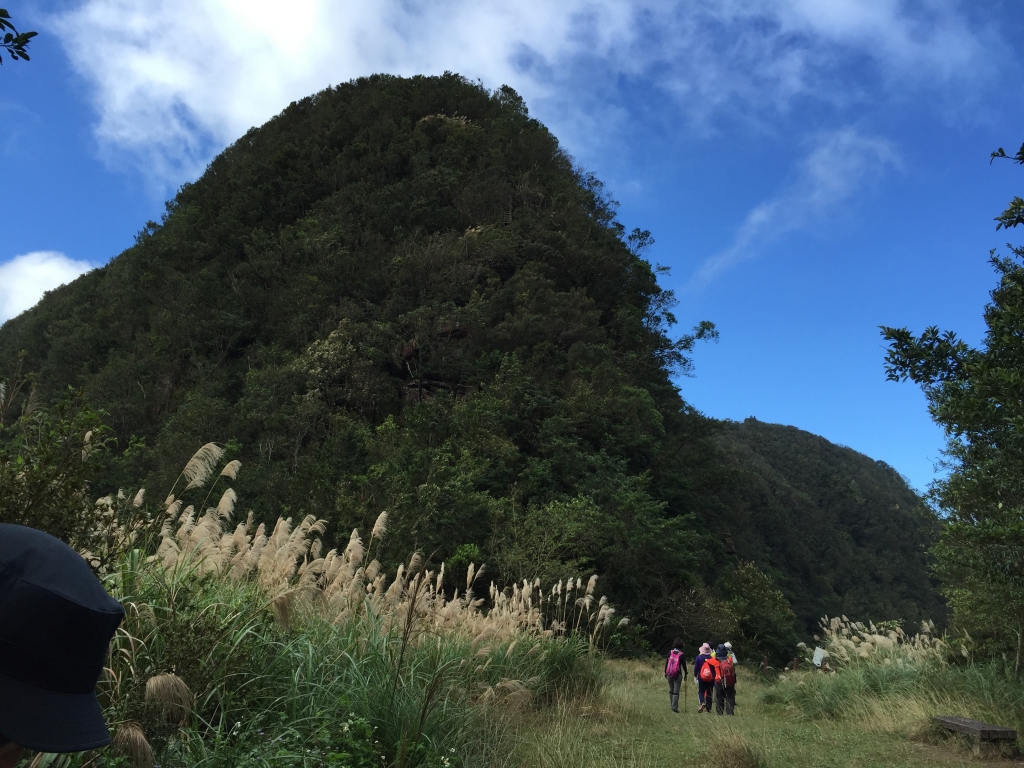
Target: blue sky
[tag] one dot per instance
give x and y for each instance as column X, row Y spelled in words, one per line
column 810, row 169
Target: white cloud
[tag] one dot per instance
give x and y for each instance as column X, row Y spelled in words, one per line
column 834, row 171
column 25, row 278
column 173, row 83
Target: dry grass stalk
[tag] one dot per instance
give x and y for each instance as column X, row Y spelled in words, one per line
column 130, row 741
column 169, row 694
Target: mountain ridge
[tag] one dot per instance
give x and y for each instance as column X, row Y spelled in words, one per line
column 401, row 294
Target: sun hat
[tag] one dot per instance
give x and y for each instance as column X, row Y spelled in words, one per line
column 705, row 649
column 56, row 621
column 721, row 652
column 728, row 645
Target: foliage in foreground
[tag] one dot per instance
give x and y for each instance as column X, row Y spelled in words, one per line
column 247, row 646
column 211, row 675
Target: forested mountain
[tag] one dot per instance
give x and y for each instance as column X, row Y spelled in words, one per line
column 401, row 295
column 840, row 532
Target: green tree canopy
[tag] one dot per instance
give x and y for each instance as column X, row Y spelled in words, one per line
column 974, row 393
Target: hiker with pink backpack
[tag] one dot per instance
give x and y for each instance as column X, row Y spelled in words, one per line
column 725, row 685
column 674, row 672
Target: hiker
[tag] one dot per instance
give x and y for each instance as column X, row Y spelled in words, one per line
column 704, row 673
column 674, row 672
column 56, row 622
column 732, row 656
column 725, row 685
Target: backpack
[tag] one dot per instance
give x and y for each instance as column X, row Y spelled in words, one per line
column 728, row 672
column 675, row 660
column 707, row 672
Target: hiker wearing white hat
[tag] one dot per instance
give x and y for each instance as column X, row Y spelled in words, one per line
column 732, row 656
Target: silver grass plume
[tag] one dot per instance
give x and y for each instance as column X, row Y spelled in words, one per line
column 174, row 508
column 354, row 551
column 380, row 528
column 415, row 562
column 226, row 505
column 200, row 467
column 231, row 469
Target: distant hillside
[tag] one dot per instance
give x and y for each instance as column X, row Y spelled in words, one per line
column 840, row 532
column 401, row 295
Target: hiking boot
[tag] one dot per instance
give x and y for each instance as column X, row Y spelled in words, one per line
column 701, row 709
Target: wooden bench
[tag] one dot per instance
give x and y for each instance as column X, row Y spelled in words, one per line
column 985, row 735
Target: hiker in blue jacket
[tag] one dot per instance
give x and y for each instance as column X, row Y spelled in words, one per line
column 675, row 667
column 705, row 687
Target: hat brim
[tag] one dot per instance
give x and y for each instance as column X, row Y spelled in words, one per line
column 50, row 721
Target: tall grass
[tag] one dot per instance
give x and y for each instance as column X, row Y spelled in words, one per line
column 884, row 679
column 245, row 646
column 845, row 641
column 904, row 697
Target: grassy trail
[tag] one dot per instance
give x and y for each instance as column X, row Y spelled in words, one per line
column 631, row 726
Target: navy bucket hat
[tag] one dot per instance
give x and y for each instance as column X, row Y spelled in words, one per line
column 56, row 622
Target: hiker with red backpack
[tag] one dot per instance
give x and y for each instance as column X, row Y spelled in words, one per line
column 705, row 672
column 732, row 656
column 674, row 672
column 725, row 685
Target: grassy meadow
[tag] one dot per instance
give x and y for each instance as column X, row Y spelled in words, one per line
column 777, row 725
column 253, row 649
column 249, row 646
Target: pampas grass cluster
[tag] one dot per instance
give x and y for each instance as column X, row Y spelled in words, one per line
column 288, row 562
column 230, row 625
column 847, row 642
